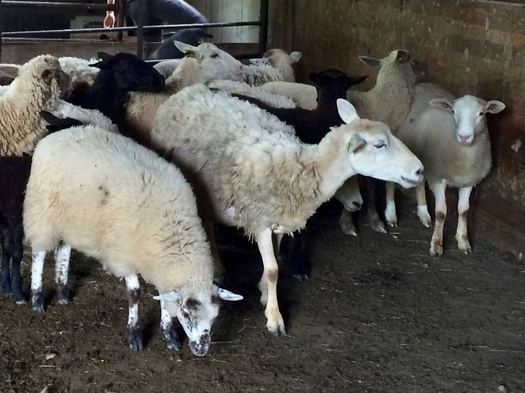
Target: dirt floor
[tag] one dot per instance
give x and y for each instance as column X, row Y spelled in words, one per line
column 378, row 315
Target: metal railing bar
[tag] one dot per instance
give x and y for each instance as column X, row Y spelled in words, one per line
column 55, row 4
column 129, row 28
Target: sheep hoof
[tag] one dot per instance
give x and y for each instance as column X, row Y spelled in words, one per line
column 466, row 249
column 392, row 223
column 301, row 277
column 62, row 295
column 135, row 339
column 172, row 339
column 37, row 302
column 436, row 249
column 424, row 217
column 275, row 324
column 463, row 244
column 378, row 226
column 349, row 229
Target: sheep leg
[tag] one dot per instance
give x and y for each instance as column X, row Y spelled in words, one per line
column 371, row 212
column 268, row 283
column 7, row 245
column 422, row 208
column 347, row 223
column 134, row 333
column 168, row 329
column 16, row 260
column 436, row 244
column 463, row 207
column 297, row 256
column 37, row 269
column 390, row 209
column 278, row 238
column 62, row 254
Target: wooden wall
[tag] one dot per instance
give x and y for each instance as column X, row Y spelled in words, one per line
column 231, row 11
column 469, row 47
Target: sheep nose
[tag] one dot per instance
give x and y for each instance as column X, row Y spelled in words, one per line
column 420, row 172
column 357, row 205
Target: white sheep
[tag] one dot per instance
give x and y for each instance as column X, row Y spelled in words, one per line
column 137, row 215
column 388, row 101
column 37, row 87
column 166, row 67
column 305, row 96
column 64, row 109
column 258, row 176
column 242, row 88
column 79, row 70
column 142, row 106
column 451, row 138
column 221, row 65
column 275, row 65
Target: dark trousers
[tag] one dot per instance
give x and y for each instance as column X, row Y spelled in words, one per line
column 163, row 11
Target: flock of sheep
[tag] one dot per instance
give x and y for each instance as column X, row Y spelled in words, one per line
column 132, row 164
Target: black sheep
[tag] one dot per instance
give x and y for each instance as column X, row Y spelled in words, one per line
column 14, row 174
column 118, row 75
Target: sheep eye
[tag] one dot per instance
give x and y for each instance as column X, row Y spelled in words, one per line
column 480, row 114
column 380, row 145
column 214, row 55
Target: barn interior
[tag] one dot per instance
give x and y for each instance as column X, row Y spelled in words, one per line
column 378, row 313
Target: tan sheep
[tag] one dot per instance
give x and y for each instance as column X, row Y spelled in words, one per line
column 255, row 174
column 134, row 212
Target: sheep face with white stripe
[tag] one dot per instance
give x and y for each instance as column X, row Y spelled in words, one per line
column 469, row 115
column 376, row 152
column 196, row 313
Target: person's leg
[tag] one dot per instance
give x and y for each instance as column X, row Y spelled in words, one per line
column 138, row 13
column 175, row 12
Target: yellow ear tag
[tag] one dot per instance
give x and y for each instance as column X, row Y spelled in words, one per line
column 348, row 146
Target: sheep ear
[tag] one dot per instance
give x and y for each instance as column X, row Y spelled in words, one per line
column 47, row 76
column 172, row 296
column 402, row 56
column 229, row 296
column 295, row 56
column 10, row 69
column 355, row 143
column 184, row 48
column 105, row 58
column 494, row 106
column 442, row 103
column 371, row 61
column 346, row 111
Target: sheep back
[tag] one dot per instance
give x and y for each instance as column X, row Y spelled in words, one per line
column 249, row 161
column 118, row 202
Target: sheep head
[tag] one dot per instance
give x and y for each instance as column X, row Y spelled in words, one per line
column 469, row 114
column 373, row 151
column 214, row 62
column 129, row 72
column 196, row 313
